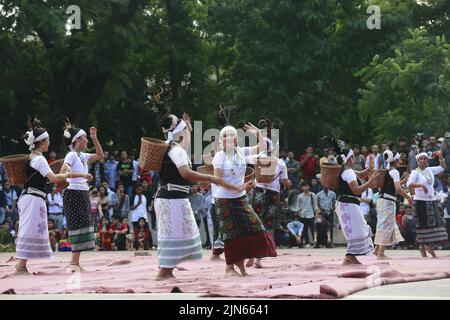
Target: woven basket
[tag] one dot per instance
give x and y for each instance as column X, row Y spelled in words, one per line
column 152, row 154
column 56, row 167
column 266, row 169
column 16, row 168
column 205, row 170
column 329, row 174
column 378, row 182
column 249, row 174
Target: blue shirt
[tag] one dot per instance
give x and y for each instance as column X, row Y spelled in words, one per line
column 111, row 173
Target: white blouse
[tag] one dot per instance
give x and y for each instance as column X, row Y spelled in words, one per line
column 425, row 177
column 233, row 171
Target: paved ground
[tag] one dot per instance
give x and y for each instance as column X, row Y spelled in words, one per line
column 438, row 289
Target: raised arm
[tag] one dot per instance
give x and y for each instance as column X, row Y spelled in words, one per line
column 98, row 148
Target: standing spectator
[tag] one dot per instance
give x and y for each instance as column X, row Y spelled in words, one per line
column 142, row 235
column 104, row 202
column 111, row 170
column 196, row 200
column 402, row 149
column 147, row 192
column 129, row 234
column 112, row 198
column 360, row 161
column 138, row 206
column 412, row 161
column 364, row 153
column 51, row 158
column 309, row 163
column 207, row 215
column 324, row 158
column 135, row 177
column 55, row 208
column 293, row 169
column 122, row 205
column 3, row 205
column 308, row 211
column 98, row 172
column 366, row 202
column 315, row 186
column 2, row 175
column 431, row 151
column 11, row 202
column 126, row 170
column 283, row 155
column 326, row 201
column 445, row 148
column 374, row 158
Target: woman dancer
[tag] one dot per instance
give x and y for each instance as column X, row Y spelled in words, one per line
column 388, row 233
column 178, row 234
column 243, row 232
column 77, row 205
column 354, row 227
column 33, row 237
column 266, row 201
column 429, row 230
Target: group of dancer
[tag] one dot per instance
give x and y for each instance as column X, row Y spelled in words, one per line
column 239, row 228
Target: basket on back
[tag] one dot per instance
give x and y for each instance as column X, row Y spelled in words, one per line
column 152, row 154
column 16, row 168
column 266, row 169
column 378, row 182
column 329, row 174
column 56, row 167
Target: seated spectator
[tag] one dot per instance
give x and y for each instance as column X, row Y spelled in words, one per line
column 53, row 234
column 64, row 244
column 142, row 235
column 6, row 239
column 399, row 215
column 129, row 235
column 120, row 231
column 408, row 229
column 281, row 233
column 104, row 235
column 11, row 202
column 296, row 230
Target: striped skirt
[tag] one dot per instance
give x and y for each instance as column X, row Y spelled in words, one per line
column 355, row 229
column 178, row 234
column 429, row 226
column 32, row 240
column 77, row 209
column 388, row 232
column 243, row 232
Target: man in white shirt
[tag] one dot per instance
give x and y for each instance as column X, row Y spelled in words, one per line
column 366, row 200
column 138, row 208
column 55, row 208
column 309, row 211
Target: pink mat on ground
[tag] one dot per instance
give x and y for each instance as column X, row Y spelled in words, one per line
column 292, row 274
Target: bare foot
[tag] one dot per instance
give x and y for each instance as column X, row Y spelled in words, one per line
column 423, row 252
column 250, row 263
column 215, row 257
column 349, row 260
column 430, row 250
column 232, row 272
column 258, row 264
column 73, row 268
column 164, row 274
column 20, row 271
